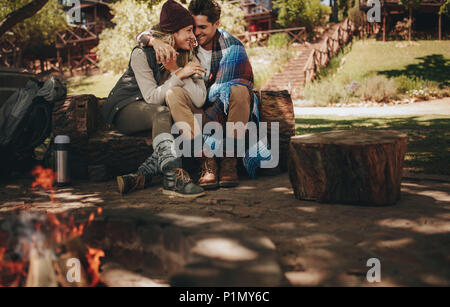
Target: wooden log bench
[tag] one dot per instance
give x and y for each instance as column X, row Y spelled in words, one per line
column 98, row 152
column 348, row 166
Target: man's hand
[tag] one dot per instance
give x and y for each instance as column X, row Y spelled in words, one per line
column 190, row 69
column 164, row 52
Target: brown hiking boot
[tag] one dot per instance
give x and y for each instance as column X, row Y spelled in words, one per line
column 228, row 173
column 177, row 182
column 209, row 177
column 131, row 182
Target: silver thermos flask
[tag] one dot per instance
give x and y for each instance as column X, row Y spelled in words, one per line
column 62, row 143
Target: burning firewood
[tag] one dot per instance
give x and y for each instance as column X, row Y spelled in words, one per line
column 75, row 250
column 40, row 272
column 52, row 253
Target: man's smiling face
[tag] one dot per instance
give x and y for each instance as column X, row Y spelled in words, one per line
column 205, row 31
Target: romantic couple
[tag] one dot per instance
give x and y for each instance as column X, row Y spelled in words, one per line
column 171, row 78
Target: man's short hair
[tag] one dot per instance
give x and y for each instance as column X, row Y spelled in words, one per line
column 208, row 8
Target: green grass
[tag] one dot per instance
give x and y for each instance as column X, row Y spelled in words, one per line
column 420, row 65
column 428, row 136
column 429, row 59
column 98, row 85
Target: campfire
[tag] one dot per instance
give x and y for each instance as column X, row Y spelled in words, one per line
column 47, row 249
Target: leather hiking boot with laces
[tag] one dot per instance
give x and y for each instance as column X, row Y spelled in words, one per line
column 228, row 173
column 209, row 175
column 131, row 182
column 177, row 182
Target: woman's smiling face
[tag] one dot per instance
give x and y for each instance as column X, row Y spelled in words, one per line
column 184, row 38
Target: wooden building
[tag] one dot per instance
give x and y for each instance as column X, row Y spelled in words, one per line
column 259, row 14
column 427, row 23
column 75, row 45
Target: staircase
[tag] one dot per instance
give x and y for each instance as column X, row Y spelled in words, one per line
column 292, row 77
column 302, row 69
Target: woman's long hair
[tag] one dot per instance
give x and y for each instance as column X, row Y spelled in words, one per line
column 184, row 56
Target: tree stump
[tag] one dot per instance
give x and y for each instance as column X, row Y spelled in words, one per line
column 356, row 167
column 75, row 117
column 97, row 152
column 276, row 106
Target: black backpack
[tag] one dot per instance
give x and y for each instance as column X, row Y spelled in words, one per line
column 26, row 121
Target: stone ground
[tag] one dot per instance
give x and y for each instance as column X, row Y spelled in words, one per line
column 316, row 244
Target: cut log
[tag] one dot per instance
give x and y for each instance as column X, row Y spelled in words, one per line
column 276, row 106
column 41, row 272
column 69, row 274
column 117, row 153
column 76, row 117
column 96, row 151
column 357, row 167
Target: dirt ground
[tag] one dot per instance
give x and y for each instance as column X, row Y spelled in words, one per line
column 316, row 244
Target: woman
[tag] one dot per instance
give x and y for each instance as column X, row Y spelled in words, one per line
column 137, row 102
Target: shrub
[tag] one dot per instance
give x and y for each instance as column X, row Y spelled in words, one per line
column 407, row 84
column 355, row 15
column 325, row 92
column 402, row 28
column 377, row 88
column 279, row 41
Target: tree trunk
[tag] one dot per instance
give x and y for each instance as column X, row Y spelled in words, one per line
column 357, row 167
column 410, row 24
column 335, row 11
column 440, row 27
column 20, row 15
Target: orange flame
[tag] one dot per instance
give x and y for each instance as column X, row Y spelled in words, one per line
column 44, row 177
column 93, row 257
column 11, row 269
column 59, row 228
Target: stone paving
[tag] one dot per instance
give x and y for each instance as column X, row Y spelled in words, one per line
column 259, row 230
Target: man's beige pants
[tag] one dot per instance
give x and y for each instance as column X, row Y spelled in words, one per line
column 182, row 109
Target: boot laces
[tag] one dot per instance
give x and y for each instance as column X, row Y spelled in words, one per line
column 139, row 182
column 181, row 174
column 208, row 166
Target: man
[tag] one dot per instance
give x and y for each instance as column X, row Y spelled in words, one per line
column 230, row 99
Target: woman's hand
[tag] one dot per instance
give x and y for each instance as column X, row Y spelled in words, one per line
column 170, row 65
column 190, row 69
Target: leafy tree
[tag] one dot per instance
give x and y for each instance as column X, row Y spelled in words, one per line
column 134, row 16
column 301, row 13
column 37, row 30
column 410, row 4
column 115, row 44
column 354, row 14
column 10, row 17
column 445, row 8
column 345, row 6
column 232, row 17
